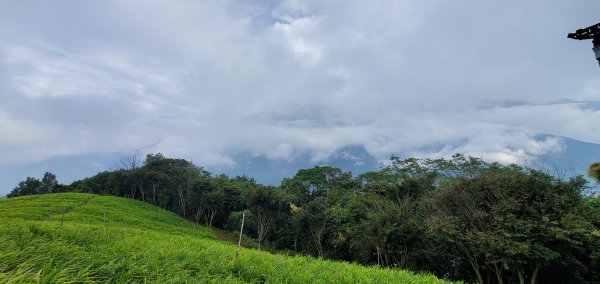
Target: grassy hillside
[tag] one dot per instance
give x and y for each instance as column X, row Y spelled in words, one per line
column 117, row 240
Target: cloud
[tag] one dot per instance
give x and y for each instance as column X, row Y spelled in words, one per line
column 211, row 159
column 207, row 80
column 504, row 145
column 308, row 53
column 19, row 131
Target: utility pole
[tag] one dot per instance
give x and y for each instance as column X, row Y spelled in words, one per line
column 591, row 32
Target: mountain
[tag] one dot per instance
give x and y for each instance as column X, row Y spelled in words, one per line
column 573, row 158
column 352, row 158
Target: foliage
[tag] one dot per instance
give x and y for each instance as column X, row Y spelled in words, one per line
column 34, row 186
column 594, row 171
column 509, row 223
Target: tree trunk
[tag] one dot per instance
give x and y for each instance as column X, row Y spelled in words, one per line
column 198, row 215
column 402, row 262
column 142, row 193
column 498, row 271
column 154, row 185
column 209, row 216
column 474, row 264
column 212, row 216
column 316, row 236
column 264, row 222
column 386, row 258
column 379, row 256
column 521, row 277
column 181, row 200
column 535, row 273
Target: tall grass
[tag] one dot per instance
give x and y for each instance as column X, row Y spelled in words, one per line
column 116, row 240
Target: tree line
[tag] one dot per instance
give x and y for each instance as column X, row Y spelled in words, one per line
column 460, row 218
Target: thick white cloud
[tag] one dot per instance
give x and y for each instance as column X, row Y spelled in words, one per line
column 211, row 159
column 207, row 79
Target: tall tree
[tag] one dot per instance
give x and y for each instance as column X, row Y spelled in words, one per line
column 129, row 161
column 48, row 183
column 264, row 203
column 313, row 216
column 391, row 232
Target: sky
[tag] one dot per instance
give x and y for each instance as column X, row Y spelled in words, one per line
column 277, row 79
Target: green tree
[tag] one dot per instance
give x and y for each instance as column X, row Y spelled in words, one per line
column 391, row 232
column 510, row 223
column 313, row 217
column 593, row 244
column 264, row 203
column 29, row 186
column 594, row 171
column 48, row 183
column 32, row 186
column 308, row 184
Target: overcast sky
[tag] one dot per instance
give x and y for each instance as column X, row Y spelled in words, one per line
column 204, row 80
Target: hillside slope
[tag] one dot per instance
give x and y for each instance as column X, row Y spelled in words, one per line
column 116, row 240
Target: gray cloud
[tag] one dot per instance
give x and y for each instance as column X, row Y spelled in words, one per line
column 206, row 80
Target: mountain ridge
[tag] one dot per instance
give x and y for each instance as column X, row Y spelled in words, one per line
column 573, row 159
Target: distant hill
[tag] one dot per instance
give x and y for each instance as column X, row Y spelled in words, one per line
column 352, row 158
column 116, row 240
column 573, row 159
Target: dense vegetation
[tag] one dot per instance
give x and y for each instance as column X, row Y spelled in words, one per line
column 461, row 218
column 105, row 239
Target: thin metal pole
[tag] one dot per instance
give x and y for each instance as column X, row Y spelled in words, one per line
column 240, row 240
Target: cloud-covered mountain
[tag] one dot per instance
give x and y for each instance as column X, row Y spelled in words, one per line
column 352, row 158
column 569, row 157
column 573, row 159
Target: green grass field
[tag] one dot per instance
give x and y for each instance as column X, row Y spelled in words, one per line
column 116, row 240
